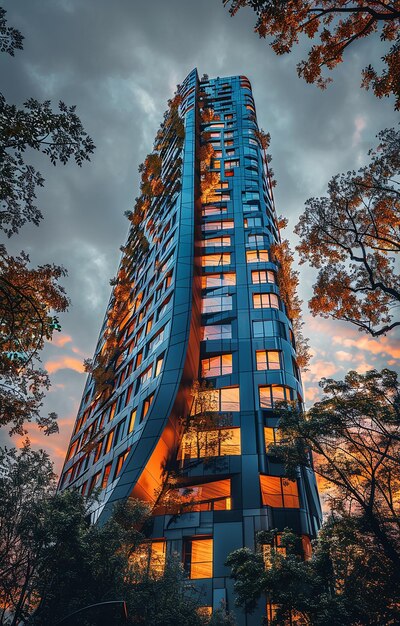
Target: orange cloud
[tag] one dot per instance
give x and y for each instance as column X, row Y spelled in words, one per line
column 64, row 362
column 60, row 340
column 383, row 346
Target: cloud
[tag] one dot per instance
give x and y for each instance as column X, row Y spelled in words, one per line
column 383, row 346
column 360, row 123
column 64, row 362
column 60, row 340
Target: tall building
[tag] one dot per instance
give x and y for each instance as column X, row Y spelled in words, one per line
column 196, row 350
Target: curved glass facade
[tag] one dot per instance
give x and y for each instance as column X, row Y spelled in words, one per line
column 203, row 305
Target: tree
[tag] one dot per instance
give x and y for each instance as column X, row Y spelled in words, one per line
column 338, row 26
column 345, row 582
column 29, row 297
column 352, row 237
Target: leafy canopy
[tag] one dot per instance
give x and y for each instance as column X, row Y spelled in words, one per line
column 338, row 25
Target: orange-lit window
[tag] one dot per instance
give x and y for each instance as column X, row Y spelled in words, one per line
column 159, row 364
column 265, row 301
column 306, row 547
column 268, row 360
column 229, row 399
column 257, row 256
column 120, row 462
column 98, row 451
column 230, row 164
column 211, row 260
column 213, row 496
column 279, row 492
column 198, row 558
column 271, row 437
column 106, row 474
column 268, row 550
column 129, row 394
column 216, row 164
column 218, row 280
column 214, row 210
column 229, row 173
column 139, row 358
column 112, row 412
column 149, row 325
column 204, row 612
column 216, row 241
column 132, row 421
column 210, row 443
column 146, row 406
column 109, row 441
column 217, row 331
column 271, row 394
column 150, row 557
column 262, row 276
column 221, row 225
column 72, row 450
column 216, row 365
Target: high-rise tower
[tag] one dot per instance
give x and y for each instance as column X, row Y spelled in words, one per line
column 197, row 348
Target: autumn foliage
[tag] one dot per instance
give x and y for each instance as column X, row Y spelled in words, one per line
column 337, row 24
column 352, row 237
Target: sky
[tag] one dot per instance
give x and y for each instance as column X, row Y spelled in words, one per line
column 119, row 62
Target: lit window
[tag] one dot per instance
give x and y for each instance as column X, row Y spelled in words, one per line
column 257, row 256
column 198, row 558
column 265, row 301
column 269, row 549
column 229, row 399
column 271, row 437
column 218, row 280
column 165, row 306
column 157, row 339
column 146, row 406
column 230, row 164
column 214, row 210
column 216, row 241
column 159, row 365
column 216, row 365
column 120, row 462
column 109, row 441
column 212, row 496
column 216, row 304
column 221, row 225
column 210, row 443
column 279, row 492
column 149, row 325
column 218, row 331
column 216, row 164
column 262, row 276
column 306, row 546
column 268, row 360
column 139, row 358
column 149, row 557
column 252, row 222
column 271, row 394
column 211, row 260
column 112, row 411
column 129, row 394
column 106, row 474
column 132, row 421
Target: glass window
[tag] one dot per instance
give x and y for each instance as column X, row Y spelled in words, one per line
column 198, row 558
column 109, row 441
column 165, row 306
column 216, row 241
column 216, row 304
column 257, row 256
column 106, row 474
column 120, row 462
column 256, row 240
column 214, row 210
column 221, row 225
column 271, row 437
column 271, row 394
column 265, row 301
column 94, row 482
column 159, row 365
column 211, row 260
column 216, row 365
column 262, row 276
column 252, row 222
column 268, row 360
column 218, row 280
column 146, row 376
column 217, row 331
column 132, row 421
column 229, row 399
column 279, row 492
column 157, row 339
column 269, row 328
column 210, row 443
column 146, row 406
column 212, row 496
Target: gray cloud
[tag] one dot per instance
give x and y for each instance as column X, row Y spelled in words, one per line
column 119, row 63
